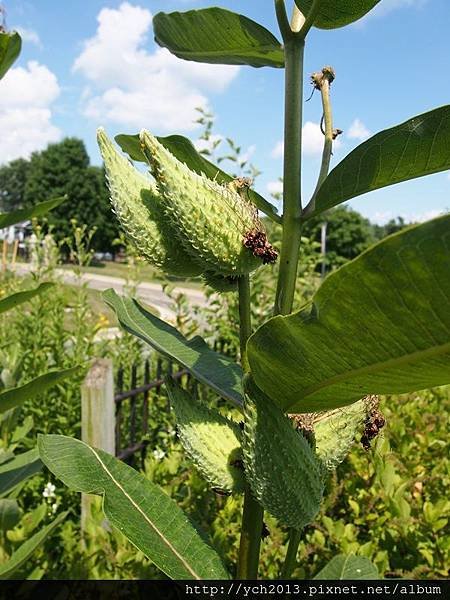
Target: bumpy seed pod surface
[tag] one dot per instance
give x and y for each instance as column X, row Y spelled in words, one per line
column 284, row 473
column 213, row 221
column 335, row 432
column 221, row 283
column 137, row 205
column 211, row 441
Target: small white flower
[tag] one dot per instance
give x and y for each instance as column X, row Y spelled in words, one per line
column 159, row 454
column 54, row 507
column 49, row 491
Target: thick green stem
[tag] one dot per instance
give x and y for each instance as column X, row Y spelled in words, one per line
column 252, row 516
column 292, row 206
column 252, row 524
column 291, row 554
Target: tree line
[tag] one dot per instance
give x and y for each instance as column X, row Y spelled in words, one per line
column 64, row 169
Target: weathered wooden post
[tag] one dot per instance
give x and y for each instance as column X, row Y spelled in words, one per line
column 97, row 416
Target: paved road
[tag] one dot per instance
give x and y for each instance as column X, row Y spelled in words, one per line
column 151, row 293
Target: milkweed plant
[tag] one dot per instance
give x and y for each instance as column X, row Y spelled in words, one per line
column 307, row 382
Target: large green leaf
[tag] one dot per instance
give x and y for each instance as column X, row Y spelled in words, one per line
column 16, row 396
column 139, row 509
column 18, row 469
column 217, row 36
column 417, row 147
column 332, row 14
column 23, row 553
column 215, row 370
column 14, row 300
column 24, row 214
column 348, row 567
column 184, row 150
column 378, row 325
column 10, row 46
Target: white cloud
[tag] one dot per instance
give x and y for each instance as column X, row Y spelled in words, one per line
column 25, row 110
column 138, row 88
column 30, row 36
column 358, row 131
column 275, row 187
column 312, row 140
column 382, row 217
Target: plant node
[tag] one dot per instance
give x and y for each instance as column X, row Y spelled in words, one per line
column 326, row 74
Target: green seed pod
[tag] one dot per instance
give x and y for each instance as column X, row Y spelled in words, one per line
column 284, row 473
column 220, row 283
column 137, row 205
column 335, row 431
column 215, row 223
column 211, row 441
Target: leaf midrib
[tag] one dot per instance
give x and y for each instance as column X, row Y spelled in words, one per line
column 140, row 511
column 379, row 366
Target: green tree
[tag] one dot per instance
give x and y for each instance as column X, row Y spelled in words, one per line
column 13, row 178
column 392, row 226
column 64, row 169
column 348, row 233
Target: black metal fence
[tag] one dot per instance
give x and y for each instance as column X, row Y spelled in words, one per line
column 139, row 394
column 135, row 400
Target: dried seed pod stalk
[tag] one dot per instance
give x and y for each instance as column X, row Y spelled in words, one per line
column 137, row 204
column 218, row 225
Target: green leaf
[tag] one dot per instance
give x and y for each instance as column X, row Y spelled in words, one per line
column 378, row 325
column 348, row 567
column 282, row 469
column 332, row 14
column 10, row 46
column 14, row 300
column 139, row 509
column 18, row 469
column 23, row 553
column 211, row 368
column 9, row 514
column 211, row 441
column 16, row 396
column 417, row 147
column 184, row 150
column 217, row 36
column 24, row 214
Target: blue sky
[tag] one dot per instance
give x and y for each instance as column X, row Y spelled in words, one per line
column 86, row 64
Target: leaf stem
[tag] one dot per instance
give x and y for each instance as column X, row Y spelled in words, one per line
column 283, row 21
column 291, row 554
column 328, row 143
column 252, row 516
column 309, row 20
column 292, row 207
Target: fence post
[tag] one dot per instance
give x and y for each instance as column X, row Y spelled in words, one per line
column 97, row 416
